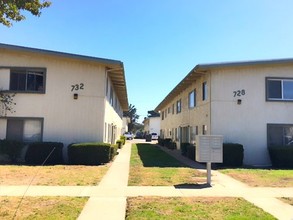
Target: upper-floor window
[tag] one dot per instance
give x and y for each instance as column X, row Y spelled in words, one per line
column 178, row 109
column 192, row 99
column 173, row 109
column 162, row 115
column 204, row 91
column 27, row 80
column 279, row 89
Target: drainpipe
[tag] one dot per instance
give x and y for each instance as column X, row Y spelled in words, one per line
column 210, row 94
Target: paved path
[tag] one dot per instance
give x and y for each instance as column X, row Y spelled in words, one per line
column 108, row 199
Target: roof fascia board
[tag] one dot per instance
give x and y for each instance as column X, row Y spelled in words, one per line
column 60, row 54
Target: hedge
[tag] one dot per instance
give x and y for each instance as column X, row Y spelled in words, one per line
column 281, row 156
column 119, row 143
column 190, row 151
column 183, row 148
column 37, row 153
column 123, row 139
column 11, row 148
column 233, row 155
column 91, row 153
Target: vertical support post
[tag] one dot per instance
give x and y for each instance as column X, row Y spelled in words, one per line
column 209, row 173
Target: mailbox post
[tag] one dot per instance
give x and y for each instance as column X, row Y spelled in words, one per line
column 209, row 149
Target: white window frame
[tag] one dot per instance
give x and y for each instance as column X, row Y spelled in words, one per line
column 282, row 80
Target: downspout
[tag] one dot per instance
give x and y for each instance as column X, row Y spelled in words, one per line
column 210, row 79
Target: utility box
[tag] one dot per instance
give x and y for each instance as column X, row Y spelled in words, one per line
column 209, row 149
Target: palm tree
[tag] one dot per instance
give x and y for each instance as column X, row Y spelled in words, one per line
column 131, row 113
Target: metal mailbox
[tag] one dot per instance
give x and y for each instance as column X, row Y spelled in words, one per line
column 209, row 148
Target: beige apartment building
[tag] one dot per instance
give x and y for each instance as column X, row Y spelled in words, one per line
column 61, row 97
column 250, row 103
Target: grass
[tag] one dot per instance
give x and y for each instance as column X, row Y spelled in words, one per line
column 139, row 208
column 262, row 177
column 41, row 207
column 150, row 166
column 59, row 175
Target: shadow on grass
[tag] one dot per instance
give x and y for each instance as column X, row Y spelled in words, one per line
column 152, row 156
column 192, row 186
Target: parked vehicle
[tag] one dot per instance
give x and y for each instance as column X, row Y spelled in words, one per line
column 155, row 136
column 128, row 135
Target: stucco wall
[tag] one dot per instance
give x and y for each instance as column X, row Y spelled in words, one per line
column 154, row 126
column 65, row 119
column 246, row 123
column 189, row 117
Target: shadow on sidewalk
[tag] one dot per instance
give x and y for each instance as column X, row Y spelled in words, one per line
column 192, row 186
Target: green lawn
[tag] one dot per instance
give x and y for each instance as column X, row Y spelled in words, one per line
column 262, row 177
column 150, row 166
column 41, row 207
column 139, row 208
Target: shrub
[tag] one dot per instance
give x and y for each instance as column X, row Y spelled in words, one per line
column 37, row 153
column 119, row 143
column 11, row 148
column 90, row 153
column 183, row 148
column 123, row 139
column 166, row 142
column 233, row 155
column 114, row 149
column 161, row 141
column 281, row 156
column 171, row 145
column 190, row 151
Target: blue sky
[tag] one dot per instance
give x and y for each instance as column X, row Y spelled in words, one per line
column 160, row 41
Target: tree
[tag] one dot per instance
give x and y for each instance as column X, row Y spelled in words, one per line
column 10, row 10
column 131, row 113
column 6, row 103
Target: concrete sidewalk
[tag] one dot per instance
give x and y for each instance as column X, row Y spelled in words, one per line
column 108, row 199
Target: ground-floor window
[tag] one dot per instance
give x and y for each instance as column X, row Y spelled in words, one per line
column 26, row 130
column 280, row 134
column 193, row 133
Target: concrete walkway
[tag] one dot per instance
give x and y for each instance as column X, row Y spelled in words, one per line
column 108, row 199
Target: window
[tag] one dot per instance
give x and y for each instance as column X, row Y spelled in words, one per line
column 204, row 91
column 178, row 109
column 165, row 113
column 26, row 130
column 162, row 115
column 111, row 97
column 280, row 134
column 169, row 110
column 193, row 133
column 173, row 109
column 279, row 89
column 28, row 80
column 192, row 99
column 204, row 129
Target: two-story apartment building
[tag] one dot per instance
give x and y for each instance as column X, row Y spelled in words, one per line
column 61, row 97
column 250, row 103
column 152, row 123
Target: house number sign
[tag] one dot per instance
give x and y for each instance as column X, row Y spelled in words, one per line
column 77, row 87
column 239, row 93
